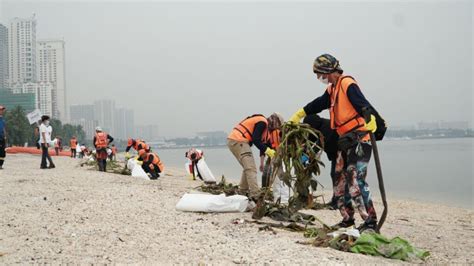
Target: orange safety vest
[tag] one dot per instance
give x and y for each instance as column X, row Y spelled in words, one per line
column 244, row 130
column 73, row 143
column 344, row 117
column 273, row 138
column 156, row 161
column 101, row 140
column 114, row 150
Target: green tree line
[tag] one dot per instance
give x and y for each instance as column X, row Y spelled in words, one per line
column 19, row 130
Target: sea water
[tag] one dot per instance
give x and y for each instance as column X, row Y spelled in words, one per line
column 430, row 170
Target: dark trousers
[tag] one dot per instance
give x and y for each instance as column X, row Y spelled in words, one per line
column 2, row 151
column 155, row 173
column 73, row 153
column 45, row 156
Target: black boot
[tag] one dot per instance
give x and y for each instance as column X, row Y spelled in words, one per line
column 343, row 224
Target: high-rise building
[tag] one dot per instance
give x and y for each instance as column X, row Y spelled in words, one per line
column 22, row 51
column 124, row 124
column 84, row 115
column 104, row 113
column 50, row 58
column 11, row 100
column 77, row 112
column 43, row 95
column 147, row 132
column 3, row 56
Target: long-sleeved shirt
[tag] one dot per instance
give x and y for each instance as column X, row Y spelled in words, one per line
column 323, row 102
column 257, row 134
column 109, row 138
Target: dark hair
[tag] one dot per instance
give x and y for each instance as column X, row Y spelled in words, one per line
column 44, row 118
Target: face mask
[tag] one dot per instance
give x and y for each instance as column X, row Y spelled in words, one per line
column 323, row 80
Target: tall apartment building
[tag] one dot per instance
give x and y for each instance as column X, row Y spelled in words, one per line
column 124, row 124
column 3, row 56
column 104, row 113
column 22, row 51
column 50, row 59
column 84, row 115
column 43, row 95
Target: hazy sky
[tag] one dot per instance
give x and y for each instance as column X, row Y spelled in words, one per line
column 201, row 66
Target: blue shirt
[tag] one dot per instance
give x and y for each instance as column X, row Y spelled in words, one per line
column 2, row 128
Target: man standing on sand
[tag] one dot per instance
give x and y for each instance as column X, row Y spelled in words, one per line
column 3, row 137
column 45, row 141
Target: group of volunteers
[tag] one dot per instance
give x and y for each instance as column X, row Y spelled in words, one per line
column 346, row 135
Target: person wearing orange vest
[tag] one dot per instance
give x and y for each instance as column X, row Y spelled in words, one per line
column 272, row 139
column 101, row 142
column 151, row 163
column 251, row 130
column 73, row 145
column 347, row 107
column 57, row 145
column 136, row 144
column 113, row 153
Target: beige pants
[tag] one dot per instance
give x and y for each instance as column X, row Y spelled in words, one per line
column 243, row 153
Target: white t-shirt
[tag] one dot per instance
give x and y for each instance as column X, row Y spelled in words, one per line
column 47, row 130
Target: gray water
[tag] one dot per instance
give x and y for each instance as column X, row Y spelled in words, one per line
column 430, row 170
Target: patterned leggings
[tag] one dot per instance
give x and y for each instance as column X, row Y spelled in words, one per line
column 350, row 188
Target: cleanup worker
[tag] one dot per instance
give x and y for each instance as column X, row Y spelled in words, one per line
column 57, row 145
column 347, row 107
column 151, row 163
column 3, row 136
column 101, row 142
column 136, row 144
column 329, row 140
column 194, row 155
column 113, row 154
column 73, row 145
column 272, row 139
column 251, row 130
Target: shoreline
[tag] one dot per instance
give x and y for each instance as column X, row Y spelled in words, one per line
column 70, row 214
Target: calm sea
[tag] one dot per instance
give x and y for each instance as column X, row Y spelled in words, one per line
column 430, row 170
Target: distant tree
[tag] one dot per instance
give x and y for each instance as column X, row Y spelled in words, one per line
column 18, row 127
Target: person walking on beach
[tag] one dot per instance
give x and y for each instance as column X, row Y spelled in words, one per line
column 251, row 130
column 73, row 145
column 101, row 142
column 348, row 107
column 45, row 141
column 3, row 137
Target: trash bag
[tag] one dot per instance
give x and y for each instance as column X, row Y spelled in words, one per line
column 396, row 248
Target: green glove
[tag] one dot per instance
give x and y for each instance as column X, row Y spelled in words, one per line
column 139, row 162
column 372, row 124
column 296, row 117
column 270, row 152
column 127, row 155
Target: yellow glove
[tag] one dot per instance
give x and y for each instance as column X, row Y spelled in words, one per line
column 139, row 162
column 371, row 125
column 270, row 152
column 127, row 155
column 296, row 117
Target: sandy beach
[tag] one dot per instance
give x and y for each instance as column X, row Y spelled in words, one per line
column 73, row 215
